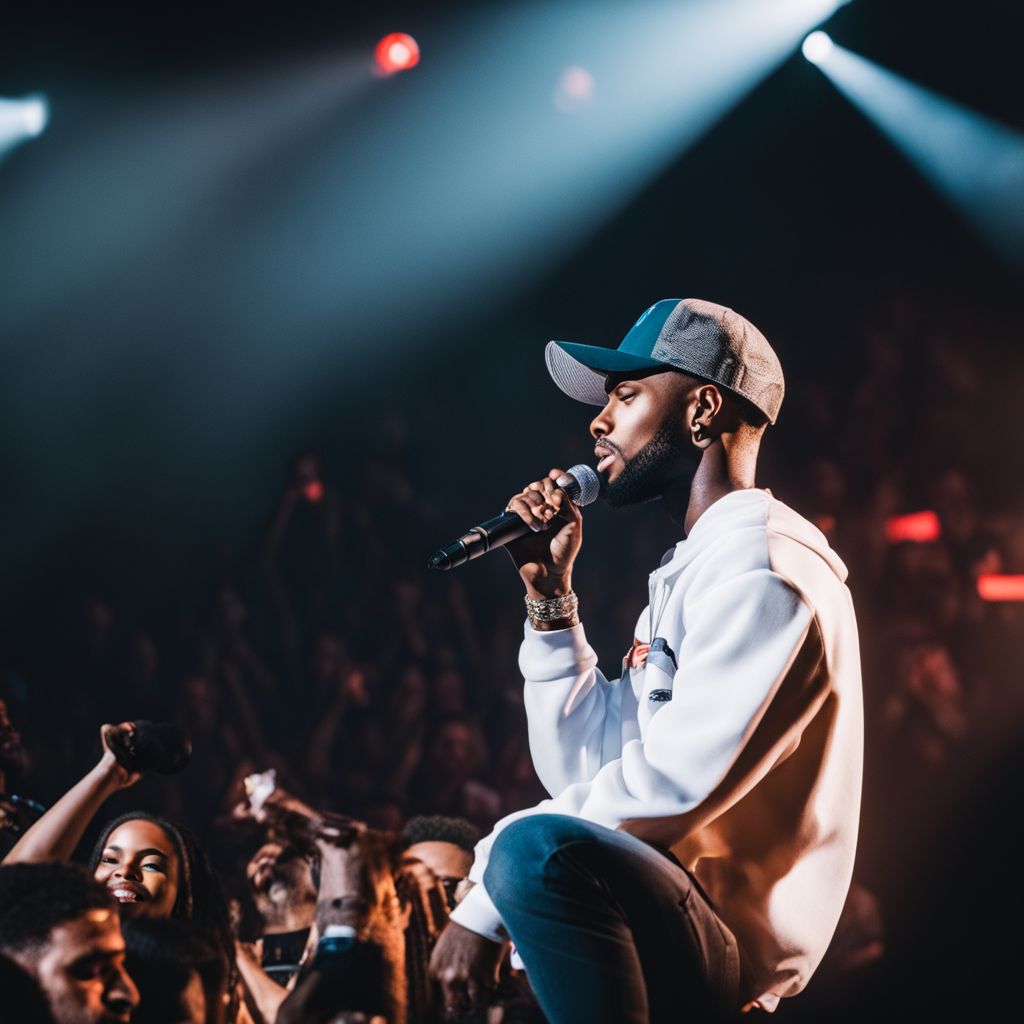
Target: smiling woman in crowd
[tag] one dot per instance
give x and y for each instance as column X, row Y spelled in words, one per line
column 151, row 866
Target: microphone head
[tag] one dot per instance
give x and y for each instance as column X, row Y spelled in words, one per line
column 151, row 747
column 581, row 483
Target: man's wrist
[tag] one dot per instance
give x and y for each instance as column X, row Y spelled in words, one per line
column 555, row 624
column 109, row 772
column 548, row 588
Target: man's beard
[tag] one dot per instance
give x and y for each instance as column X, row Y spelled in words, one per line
column 665, row 460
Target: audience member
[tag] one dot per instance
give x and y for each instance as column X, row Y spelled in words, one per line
column 444, row 846
column 17, row 813
column 63, row 928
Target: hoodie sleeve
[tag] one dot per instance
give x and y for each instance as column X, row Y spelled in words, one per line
column 573, row 712
column 741, row 636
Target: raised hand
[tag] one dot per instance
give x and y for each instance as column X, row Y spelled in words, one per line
column 118, row 774
column 545, row 556
column 465, row 965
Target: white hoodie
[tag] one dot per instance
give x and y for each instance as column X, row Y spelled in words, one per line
column 738, row 744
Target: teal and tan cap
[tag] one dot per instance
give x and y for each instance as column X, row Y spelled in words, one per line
column 700, row 338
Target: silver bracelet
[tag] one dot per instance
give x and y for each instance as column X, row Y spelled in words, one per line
column 553, row 609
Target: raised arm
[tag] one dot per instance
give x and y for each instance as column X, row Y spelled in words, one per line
column 573, row 711
column 56, row 834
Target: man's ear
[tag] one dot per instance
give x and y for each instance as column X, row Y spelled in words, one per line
column 707, row 407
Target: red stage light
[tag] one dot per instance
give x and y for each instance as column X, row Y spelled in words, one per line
column 920, row 527
column 994, row 587
column 313, row 490
column 397, row 52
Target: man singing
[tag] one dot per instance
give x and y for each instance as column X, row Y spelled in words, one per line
column 699, row 841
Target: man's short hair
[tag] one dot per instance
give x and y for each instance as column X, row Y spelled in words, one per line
column 36, row 898
column 748, row 413
column 435, row 828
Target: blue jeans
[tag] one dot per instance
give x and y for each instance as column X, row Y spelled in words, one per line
column 611, row 931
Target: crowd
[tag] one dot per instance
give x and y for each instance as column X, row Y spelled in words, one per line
column 344, row 706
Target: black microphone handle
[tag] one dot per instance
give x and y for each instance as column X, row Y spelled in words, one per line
column 580, row 484
column 494, row 533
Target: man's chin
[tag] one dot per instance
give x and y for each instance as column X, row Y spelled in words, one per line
column 625, row 491
column 626, row 499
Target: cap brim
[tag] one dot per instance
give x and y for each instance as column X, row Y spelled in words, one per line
column 580, row 370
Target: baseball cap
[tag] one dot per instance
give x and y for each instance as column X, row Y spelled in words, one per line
column 700, row 338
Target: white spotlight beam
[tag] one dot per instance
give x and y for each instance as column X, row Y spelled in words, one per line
column 975, row 163
column 476, row 165
column 22, row 119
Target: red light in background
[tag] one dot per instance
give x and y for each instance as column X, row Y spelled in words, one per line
column 825, row 523
column 920, row 527
column 574, row 90
column 397, row 52
column 994, row 587
column 313, row 490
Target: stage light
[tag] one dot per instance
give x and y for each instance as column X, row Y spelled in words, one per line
column 975, row 163
column 35, row 115
column 996, row 587
column 22, row 119
column 817, row 46
column 397, row 52
column 918, row 528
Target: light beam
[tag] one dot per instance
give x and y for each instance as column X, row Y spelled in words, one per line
column 22, row 119
column 975, row 163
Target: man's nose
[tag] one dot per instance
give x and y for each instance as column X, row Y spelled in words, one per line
column 600, row 425
column 122, row 996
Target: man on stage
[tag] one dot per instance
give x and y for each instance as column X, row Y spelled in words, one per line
column 699, row 841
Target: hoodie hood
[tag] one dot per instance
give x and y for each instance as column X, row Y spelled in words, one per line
column 745, row 510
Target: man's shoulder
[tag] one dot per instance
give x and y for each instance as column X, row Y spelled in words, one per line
column 734, row 531
column 753, row 532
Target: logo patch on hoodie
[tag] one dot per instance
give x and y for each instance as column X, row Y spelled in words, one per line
column 657, row 652
column 662, row 656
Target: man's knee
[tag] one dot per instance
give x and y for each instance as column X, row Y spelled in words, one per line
column 523, row 847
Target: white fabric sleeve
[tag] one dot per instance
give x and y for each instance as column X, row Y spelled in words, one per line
column 477, row 913
column 572, row 711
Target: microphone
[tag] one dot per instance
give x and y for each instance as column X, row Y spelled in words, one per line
column 581, row 484
column 150, row 746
